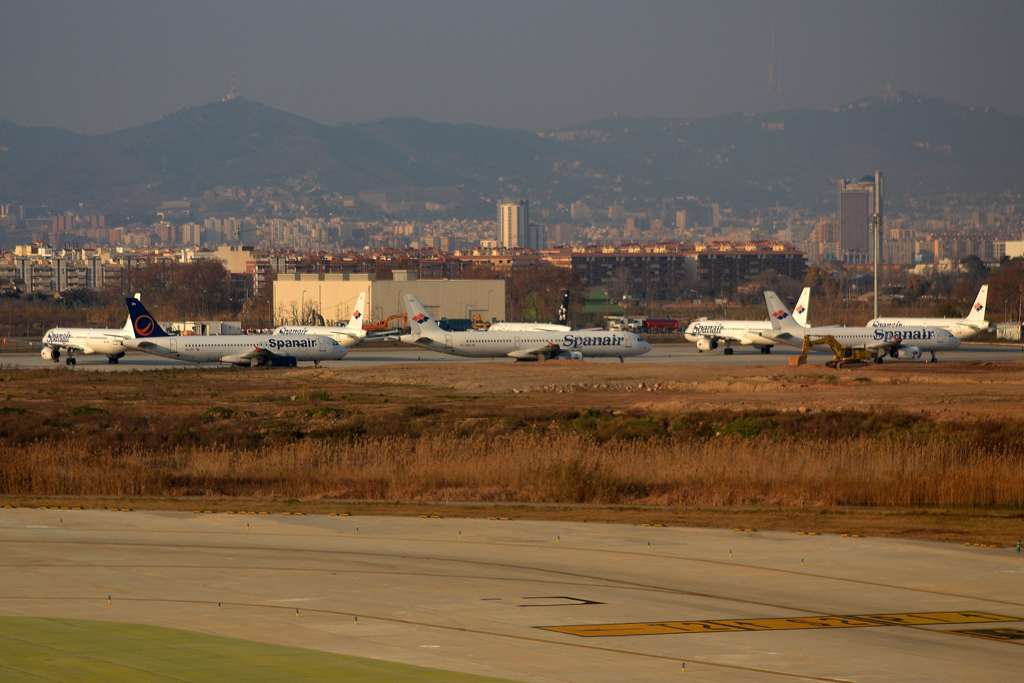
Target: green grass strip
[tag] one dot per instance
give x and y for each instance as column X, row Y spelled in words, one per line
column 35, row 650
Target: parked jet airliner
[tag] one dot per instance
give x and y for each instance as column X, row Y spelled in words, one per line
column 346, row 335
column 237, row 349
column 905, row 343
column 961, row 328
column 86, row 341
column 525, row 345
column 709, row 333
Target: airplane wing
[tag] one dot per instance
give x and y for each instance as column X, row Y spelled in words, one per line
column 548, row 352
column 61, row 345
column 893, row 343
column 382, row 336
column 260, row 353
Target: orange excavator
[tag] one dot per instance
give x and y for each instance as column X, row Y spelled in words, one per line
column 385, row 325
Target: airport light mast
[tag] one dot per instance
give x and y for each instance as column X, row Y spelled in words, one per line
column 876, row 230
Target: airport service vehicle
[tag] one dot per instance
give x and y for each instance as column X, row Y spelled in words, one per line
column 347, row 335
column 526, row 345
column 236, row 349
column 961, row 328
column 905, row 343
column 708, row 334
column 661, row 325
column 86, row 341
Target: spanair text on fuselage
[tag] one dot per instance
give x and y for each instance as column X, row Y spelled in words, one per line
column 959, row 328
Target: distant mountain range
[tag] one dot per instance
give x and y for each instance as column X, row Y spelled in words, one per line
column 926, row 148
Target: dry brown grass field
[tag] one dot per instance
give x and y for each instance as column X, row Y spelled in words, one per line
column 912, row 450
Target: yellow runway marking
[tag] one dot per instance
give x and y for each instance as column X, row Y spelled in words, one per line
column 1005, row 635
column 778, row 624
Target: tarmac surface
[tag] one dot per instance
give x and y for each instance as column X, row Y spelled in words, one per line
column 534, row 601
column 661, row 353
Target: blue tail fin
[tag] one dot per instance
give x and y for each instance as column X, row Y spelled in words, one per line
column 144, row 324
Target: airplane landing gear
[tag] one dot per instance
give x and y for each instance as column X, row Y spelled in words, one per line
column 728, row 351
column 621, row 359
column 933, row 359
column 70, row 360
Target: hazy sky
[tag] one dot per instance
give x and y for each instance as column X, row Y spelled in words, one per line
column 100, row 66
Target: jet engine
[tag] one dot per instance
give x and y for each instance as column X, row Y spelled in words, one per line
column 51, row 354
column 706, row 344
column 571, row 355
column 907, row 353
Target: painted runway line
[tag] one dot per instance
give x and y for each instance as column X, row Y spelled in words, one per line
column 783, row 624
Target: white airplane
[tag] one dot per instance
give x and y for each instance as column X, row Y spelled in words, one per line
column 961, row 328
column 526, row 345
column 236, row 349
column 709, row 333
column 86, row 341
column 905, row 343
column 347, row 335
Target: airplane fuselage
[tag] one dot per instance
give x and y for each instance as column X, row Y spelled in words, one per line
column 108, row 341
column 958, row 327
column 485, row 344
column 234, row 347
column 923, row 338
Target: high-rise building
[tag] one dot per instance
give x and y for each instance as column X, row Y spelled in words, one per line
column 561, row 233
column 824, row 231
column 513, row 217
column 578, row 211
column 856, row 205
column 516, row 229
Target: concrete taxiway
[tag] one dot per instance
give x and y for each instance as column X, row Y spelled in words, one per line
column 534, row 601
column 678, row 354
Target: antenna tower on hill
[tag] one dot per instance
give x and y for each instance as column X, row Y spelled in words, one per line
column 773, row 71
column 233, row 93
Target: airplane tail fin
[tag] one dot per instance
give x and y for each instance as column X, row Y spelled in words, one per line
column 356, row 321
column 800, row 312
column 419, row 321
column 977, row 313
column 563, row 309
column 128, row 321
column 144, row 325
column 779, row 315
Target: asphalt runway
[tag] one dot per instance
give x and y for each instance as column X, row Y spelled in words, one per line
column 534, row 601
column 660, row 353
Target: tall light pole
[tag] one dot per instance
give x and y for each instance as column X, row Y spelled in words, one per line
column 876, row 230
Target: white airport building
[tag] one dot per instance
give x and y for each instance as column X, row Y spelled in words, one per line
column 334, row 294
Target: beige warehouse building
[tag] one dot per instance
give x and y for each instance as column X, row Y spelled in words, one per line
column 334, row 295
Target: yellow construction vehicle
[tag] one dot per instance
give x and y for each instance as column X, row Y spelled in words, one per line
column 479, row 323
column 386, row 326
column 842, row 356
